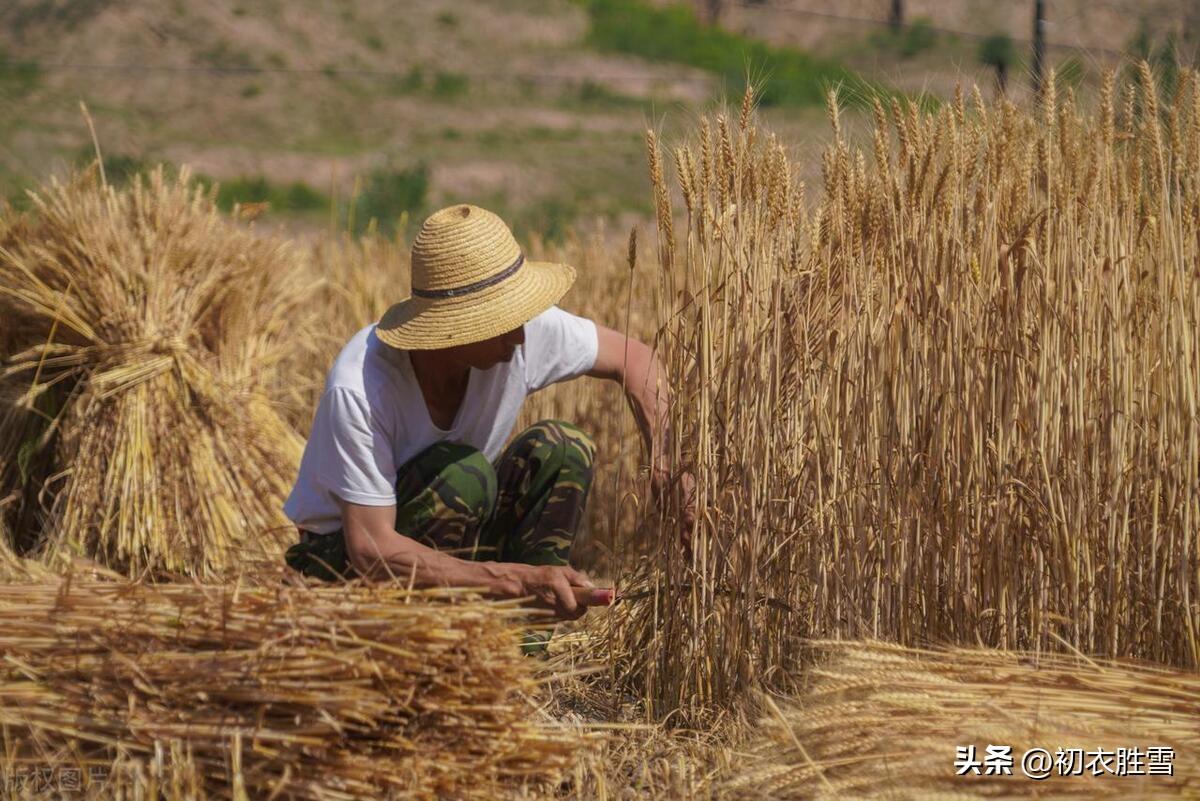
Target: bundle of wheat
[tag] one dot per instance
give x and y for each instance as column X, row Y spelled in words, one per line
column 880, row 721
column 287, row 691
column 143, row 331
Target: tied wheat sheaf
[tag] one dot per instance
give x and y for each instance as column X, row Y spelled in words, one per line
column 143, row 333
column 876, row 720
column 255, row 691
column 955, row 400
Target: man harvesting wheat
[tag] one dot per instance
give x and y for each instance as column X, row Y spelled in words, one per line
column 405, row 471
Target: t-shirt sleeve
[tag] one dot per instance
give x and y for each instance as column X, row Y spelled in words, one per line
column 355, row 454
column 558, row 345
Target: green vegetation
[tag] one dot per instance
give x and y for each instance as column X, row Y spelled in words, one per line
column 997, row 51
column 15, row 196
column 447, row 19
column 444, row 86
column 910, row 40
column 294, row 197
column 917, row 36
column 69, row 15
column 118, row 169
column 548, row 217
column 673, row 33
column 385, row 194
column 17, row 78
column 388, row 193
column 1163, row 56
column 449, row 85
column 1070, row 72
column 225, row 56
column 409, row 82
column 591, row 93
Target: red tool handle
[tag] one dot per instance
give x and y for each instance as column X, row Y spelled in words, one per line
column 597, row 596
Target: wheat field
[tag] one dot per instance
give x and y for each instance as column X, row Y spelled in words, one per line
column 941, row 410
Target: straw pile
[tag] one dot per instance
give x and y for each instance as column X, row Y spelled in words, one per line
column 880, row 721
column 144, row 331
column 309, row 692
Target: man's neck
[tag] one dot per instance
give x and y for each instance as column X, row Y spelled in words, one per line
column 436, row 372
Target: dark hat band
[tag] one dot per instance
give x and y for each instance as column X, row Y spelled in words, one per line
column 491, row 280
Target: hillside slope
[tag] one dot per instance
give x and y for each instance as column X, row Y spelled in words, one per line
column 496, row 96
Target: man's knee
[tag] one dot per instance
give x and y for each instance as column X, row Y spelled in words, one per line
column 462, row 476
column 571, row 444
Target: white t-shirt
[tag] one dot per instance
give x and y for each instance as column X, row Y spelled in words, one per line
column 372, row 418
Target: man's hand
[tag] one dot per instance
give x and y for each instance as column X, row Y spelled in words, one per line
column 634, row 366
column 554, row 586
column 376, row 550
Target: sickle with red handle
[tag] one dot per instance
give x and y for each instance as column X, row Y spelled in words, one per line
column 594, row 596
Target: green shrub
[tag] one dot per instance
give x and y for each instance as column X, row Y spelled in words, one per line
column 119, row 168
column 673, row 33
column 551, row 217
column 997, row 50
column 294, row 197
column 411, row 81
column 17, row 78
column 918, row 36
column 593, row 93
column 447, row 85
column 388, row 192
column 447, row 19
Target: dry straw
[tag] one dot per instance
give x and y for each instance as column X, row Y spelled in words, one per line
column 875, row 720
column 360, row 278
column 277, row 691
column 12, row 567
column 955, row 401
column 143, row 331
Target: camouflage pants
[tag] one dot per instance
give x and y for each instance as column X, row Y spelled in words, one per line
column 527, row 508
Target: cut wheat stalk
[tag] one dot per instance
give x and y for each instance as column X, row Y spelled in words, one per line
column 318, row 692
column 876, row 720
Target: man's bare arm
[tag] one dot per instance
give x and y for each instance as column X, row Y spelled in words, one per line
column 634, row 364
column 376, row 549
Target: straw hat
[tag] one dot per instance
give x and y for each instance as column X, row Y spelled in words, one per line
column 470, row 282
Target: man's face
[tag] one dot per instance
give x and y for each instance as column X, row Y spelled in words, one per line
column 490, row 352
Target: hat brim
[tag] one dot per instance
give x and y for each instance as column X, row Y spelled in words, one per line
column 417, row 323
